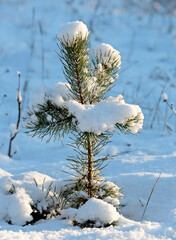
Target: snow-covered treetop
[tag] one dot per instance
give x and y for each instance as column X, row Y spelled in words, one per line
column 106, row 54
column 81, row 101
column 72, row 30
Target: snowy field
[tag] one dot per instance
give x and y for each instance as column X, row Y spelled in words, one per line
column 146, row 38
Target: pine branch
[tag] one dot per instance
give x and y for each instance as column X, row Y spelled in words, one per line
column 75, row 59
column 59, row 124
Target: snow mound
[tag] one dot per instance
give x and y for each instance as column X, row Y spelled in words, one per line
column 26, row 193
column 106, row 54
column 72, row 30
column 19, row 209
column 97, row 210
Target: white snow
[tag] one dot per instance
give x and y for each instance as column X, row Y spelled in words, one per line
column 72, row 30
column 18, row 192
column 15, row 207
column 146, row 41
column 4, row 159
column 97, row 210
column 103, row 116
column 106, row 54
column 62, row 89
column 39, row 96
column 164, row 97
column 2, row 172
column 18, row 207
column 19, row 97
column 69, row 213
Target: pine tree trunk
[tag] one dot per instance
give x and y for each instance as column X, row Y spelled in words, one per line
column 90, row 166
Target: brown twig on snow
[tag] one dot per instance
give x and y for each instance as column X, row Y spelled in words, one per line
column 150, row 195
column 13, row 134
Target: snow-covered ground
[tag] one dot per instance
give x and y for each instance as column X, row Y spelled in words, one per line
column 147, row 42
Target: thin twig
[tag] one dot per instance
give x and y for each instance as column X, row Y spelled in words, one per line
column 42, row 51
column 171, row 106
column 12, row 136
column 150, row 195
column 157, row 106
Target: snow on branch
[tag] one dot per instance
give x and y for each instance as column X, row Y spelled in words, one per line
column 72, row 30
column 96, row 118
column 106, row 54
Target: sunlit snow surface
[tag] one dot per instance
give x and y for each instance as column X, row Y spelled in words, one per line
column 147, row 44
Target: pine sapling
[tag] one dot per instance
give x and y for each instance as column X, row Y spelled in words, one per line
column 79, row 107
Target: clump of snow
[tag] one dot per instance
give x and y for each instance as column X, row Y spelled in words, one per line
column 19, row 97
column 69, row 213
column 72, row 30
column 164, row 97
column 106, row 54
column 92, row 84
column 62, row 89
column 16, row 208
column 39, row 96
column 49, row 118
column 103, row 116
column 24, row 193
column 19, row 209
column 113, row 201
column 97, row 210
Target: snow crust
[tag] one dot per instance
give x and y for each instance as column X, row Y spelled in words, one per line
column 72, row 30
column 97, row 210
column 106, row 54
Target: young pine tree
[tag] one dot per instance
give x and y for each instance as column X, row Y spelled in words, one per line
column 80, row 107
